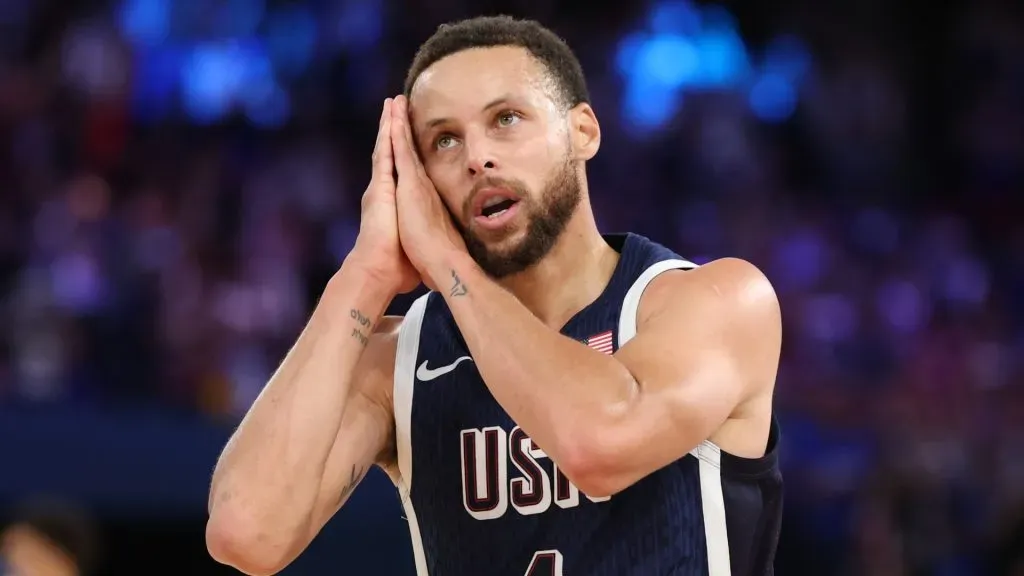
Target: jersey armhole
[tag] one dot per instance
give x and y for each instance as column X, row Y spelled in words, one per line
column 406, row 355
column 740, row 467
column 631, row 303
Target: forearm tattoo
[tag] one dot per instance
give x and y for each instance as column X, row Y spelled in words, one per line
column 363, row 328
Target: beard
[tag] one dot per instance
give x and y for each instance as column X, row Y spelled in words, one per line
column 546, row 221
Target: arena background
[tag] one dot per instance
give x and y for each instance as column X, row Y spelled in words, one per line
column 179, row 178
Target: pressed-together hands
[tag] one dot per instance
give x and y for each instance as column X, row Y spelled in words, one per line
column 378, row 249
column 405, row 229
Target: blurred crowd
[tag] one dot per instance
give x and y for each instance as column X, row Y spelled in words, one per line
column 173, row 264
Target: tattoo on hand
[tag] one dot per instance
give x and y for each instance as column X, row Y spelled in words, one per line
column 355, row 477
column 364, row 325
column 458, row 288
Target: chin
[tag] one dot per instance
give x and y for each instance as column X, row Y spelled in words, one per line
column 505, row 237
column 503, row 242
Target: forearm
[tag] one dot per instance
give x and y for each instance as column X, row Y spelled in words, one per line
column 271, row 470
column 556, row 388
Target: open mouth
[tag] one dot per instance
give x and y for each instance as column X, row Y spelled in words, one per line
column 496, row 206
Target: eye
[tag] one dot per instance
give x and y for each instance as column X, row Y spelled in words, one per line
column 444, row 142
column 508, row 118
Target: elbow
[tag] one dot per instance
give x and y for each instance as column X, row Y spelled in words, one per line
column 243, row 546
column 593, row 468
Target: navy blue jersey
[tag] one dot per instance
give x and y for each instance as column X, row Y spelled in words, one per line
column 483, row 500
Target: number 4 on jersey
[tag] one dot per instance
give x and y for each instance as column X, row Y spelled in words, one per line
column 545, row 563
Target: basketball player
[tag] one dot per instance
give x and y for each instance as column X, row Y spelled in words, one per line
column 563, row 403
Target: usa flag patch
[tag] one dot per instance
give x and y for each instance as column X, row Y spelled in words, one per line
column 601, row 342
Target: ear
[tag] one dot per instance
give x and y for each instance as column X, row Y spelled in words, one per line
column 584, row 131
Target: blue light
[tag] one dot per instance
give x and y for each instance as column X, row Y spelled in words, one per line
column 157, row 72
column 239, row 18
column 668, row 60
column 266, row 103
column 649, row 107
column 723, row 59
column 257, row 70
column 145, row 22
column 773, row 98
column 210, row 81
column 674, row 17
column 628, row 53
column 685, row 49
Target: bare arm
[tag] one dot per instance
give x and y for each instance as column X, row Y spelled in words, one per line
column 367, row 432
column 707, row 345
column 321, row 422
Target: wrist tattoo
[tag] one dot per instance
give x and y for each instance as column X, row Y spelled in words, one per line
column 363, row 327
column 458, row 288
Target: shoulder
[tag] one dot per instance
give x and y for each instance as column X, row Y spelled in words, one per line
column 727, row 308
column 730, row 289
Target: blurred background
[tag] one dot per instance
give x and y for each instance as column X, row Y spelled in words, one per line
column 178, row 179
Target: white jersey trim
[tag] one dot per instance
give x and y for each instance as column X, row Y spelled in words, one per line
column 716, row 531
column 708, row 455
column 631, row 304
column 405, row 380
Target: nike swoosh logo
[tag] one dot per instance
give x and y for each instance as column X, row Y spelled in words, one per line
column 426, row 374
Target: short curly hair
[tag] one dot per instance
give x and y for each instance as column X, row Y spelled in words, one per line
column 493, row 31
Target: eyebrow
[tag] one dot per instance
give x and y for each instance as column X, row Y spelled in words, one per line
column 501, row 100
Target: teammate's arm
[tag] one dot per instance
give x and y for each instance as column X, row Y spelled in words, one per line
column 707, row 341
column 325, row 417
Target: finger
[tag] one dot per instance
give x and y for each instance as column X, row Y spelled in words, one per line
column 406, row 159
column 383, row 156
column 410, row 141
column 403, row 154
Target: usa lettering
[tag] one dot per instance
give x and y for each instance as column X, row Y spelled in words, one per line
column 486, row 488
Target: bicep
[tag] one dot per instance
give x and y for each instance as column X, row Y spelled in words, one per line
column 686, row 390
column 708, row 342
column 366, row 434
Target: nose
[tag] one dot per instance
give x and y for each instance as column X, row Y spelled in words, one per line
column 480, row 159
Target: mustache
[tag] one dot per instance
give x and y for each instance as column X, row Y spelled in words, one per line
column 514, row 187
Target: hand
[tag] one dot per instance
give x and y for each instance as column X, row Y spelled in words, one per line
column 378, row 250
column 424, row 223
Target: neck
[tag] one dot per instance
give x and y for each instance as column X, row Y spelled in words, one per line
column 571, row 276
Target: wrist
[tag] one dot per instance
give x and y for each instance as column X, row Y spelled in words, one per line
column 450, row 271
column 367, row 272
column 356, row 283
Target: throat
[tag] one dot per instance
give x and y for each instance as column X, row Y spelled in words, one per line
column 567, row 281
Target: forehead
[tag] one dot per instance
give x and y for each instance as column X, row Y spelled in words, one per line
column 466, row 81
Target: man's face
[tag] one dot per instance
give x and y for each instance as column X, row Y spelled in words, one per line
column 496, row 143
column 26, row 552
